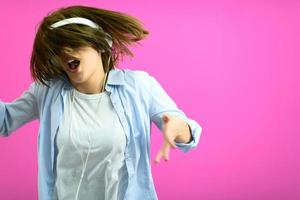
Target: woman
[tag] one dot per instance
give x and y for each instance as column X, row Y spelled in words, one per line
column 95, row 119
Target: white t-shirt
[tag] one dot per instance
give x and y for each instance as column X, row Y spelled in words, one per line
column 105, row 174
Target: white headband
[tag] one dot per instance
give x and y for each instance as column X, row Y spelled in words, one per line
column 84, row 21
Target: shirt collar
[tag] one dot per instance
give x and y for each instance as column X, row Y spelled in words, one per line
column 115, row 77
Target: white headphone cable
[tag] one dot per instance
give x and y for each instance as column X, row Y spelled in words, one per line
column 71, row 134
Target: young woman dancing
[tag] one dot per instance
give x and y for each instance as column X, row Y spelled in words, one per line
column 95, row 119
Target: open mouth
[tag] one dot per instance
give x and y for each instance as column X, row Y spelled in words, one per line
column 73, row 65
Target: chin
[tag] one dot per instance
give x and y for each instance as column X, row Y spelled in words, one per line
column 77, row 79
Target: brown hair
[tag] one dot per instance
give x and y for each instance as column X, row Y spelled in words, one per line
column 46, row 59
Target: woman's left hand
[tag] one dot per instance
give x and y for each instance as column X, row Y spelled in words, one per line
column 175, row 129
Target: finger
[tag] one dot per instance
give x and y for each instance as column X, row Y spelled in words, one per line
column 166, row 151
column 163, row 152
column 158, row 157
column 170, row 140
column 168, row 136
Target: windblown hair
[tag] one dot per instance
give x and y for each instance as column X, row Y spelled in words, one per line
column 49, row 44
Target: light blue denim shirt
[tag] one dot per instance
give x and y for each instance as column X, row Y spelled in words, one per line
column 138, row 99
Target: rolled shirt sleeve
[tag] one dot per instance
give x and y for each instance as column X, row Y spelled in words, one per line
column 162, row 103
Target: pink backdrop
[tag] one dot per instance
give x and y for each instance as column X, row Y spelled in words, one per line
column 233, row 66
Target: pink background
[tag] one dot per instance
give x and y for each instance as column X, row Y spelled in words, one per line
column 233, row 66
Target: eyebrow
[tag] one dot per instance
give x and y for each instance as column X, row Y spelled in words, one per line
column 66, row 56
column 72, row 57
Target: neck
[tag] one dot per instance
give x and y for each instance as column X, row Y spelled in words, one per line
column 93, row 85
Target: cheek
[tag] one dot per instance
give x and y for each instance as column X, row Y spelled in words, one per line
column 64, row 68
column 90, row 65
